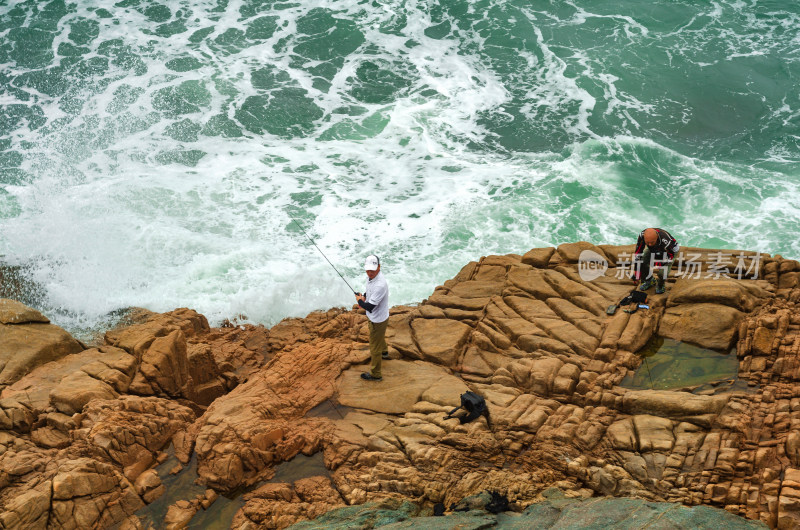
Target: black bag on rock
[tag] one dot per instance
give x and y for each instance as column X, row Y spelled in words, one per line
column 475, row 406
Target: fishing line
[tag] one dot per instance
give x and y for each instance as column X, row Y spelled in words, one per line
column 648, row 373
column 320, row 251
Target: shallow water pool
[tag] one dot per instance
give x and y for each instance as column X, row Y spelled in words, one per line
column 669, row 364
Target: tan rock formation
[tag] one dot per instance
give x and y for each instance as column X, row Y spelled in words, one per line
column 281, row 505
column 28, row 340
column 71, row 417
column 130, row 431
column 525, row 332
column 13, row 312
column 535, row 342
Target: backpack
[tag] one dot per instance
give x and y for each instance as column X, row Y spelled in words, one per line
column 634, row 297
column 475, row 406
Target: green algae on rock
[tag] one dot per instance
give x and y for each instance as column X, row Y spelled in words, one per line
column 557, row 512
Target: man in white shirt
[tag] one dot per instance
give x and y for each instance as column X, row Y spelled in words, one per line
column 375, row 301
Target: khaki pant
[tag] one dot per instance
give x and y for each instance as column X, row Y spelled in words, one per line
column 377, row 345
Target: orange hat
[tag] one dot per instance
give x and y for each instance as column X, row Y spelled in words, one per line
column 650, row 236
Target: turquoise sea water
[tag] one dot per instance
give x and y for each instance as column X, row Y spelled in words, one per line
column 152, row 153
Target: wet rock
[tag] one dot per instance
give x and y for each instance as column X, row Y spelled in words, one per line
column 606, row 512
column 179, row 515
column 371, row 515
column 674, row 405
column 209, row 498
column 557, row 512
column 149, row 486
column 488, row 501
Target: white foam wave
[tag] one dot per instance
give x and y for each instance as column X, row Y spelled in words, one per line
column 108, row 222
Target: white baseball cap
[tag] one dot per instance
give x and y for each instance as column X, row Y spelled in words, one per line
column 372, row 263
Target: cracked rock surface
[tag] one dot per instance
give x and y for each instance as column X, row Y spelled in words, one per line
column 81, row 432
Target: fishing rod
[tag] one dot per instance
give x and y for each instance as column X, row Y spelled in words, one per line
column 323, row 254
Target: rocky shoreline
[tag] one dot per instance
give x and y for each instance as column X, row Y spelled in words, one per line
column 83, row 428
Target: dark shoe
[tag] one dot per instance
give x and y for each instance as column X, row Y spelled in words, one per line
column 661, row 289
column 369, row 377
column 647, row 284
column 385, row 355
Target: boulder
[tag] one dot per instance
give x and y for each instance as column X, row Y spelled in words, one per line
column 25, row 346
column 13, row 312
column 179, row 515
column 164, row 367
column 130, row 431
column 76, row 390
column 477, row 290
column 680, row 406
column 622, row 436
column 137, row 339
column 538, row 257
column 111, row 366
column 149, row 486
column 88, row 493
column 440, row 340
column 708, row 325
column 617, row 253
column 653, row 433
column 571, row 252
column 763, row 339
column 280, row 504
column 741, row 295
